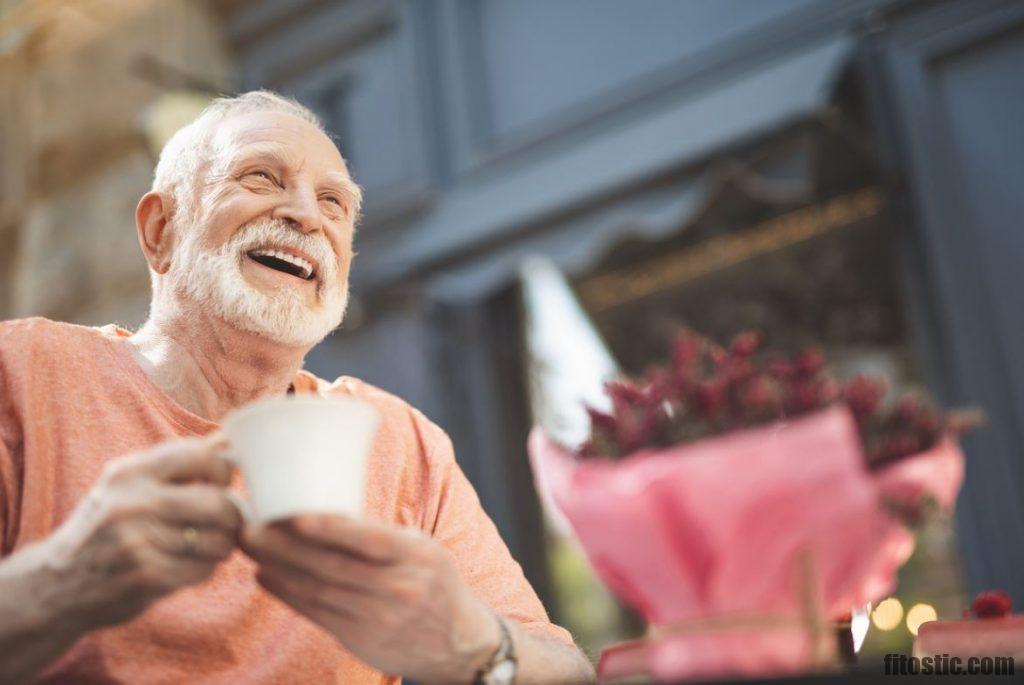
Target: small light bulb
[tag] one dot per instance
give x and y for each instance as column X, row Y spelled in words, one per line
column 918, row 614
column 888, row 614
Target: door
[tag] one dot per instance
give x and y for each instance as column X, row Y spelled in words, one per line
column 948, row 85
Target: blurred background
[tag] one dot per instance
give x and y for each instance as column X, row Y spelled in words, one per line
column 554, row 188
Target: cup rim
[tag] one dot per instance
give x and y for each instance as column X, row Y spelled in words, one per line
column 246, row 411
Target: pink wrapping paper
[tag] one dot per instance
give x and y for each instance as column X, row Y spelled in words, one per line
column 716, row 528
column 938, row 473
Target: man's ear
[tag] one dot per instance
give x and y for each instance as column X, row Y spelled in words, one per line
column 152, row 216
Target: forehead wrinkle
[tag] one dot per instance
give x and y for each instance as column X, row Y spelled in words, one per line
column 256, row 149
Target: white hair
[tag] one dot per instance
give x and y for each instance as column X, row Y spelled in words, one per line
column 183, row 157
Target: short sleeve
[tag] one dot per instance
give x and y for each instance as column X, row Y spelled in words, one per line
column 9, row 474
column 6, row 498
column 481, row 555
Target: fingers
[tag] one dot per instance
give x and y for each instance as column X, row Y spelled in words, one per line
column 173, row 572
column 311, row 607
column 369, row 540
column 309, row 599
column 278, row 549
column 186, row 460
column 198, row 504
column 199, row 543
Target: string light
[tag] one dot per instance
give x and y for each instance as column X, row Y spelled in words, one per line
column 919, row 614
column 888, row 614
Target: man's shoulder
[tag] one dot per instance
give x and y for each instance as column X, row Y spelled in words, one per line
column 32, row 326
column 38, row 331
column 39, row 350
column 38, row 334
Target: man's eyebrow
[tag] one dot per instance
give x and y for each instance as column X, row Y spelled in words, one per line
column 346, row 186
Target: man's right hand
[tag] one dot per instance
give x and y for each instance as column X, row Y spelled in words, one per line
column 156, row 521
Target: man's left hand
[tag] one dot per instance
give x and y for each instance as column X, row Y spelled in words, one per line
column 391, row 595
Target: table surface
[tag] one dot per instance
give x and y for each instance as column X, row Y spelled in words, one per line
column 863, row 677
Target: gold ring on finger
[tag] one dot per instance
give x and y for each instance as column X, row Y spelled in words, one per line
column 191, row 538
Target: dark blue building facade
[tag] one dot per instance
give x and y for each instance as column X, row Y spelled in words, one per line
column 484, row 131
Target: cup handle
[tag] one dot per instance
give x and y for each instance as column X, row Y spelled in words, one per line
column 243, row 506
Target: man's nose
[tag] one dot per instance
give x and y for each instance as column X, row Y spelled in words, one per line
column 300, row 209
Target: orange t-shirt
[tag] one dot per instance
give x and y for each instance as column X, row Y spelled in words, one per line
column 73, row 398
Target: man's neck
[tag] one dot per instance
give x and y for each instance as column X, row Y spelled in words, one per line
column 209, row 367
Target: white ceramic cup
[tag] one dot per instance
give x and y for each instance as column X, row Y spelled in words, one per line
column 302, row 454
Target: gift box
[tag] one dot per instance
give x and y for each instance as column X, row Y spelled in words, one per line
column 998, row 637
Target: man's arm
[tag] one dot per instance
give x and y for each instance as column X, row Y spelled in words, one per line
column 121, row 549
column 544, row 659
column 38, row 620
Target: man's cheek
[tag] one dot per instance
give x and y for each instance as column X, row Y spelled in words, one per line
column 344, row 265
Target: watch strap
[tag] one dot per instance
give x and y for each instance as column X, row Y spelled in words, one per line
column 504, row 654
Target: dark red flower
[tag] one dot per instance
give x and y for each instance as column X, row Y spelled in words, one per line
column 909, row 408
column 718, row 356
column 864, row 396
column 897, row 446
column 630, row 431
column 686, row 351
column 660, row 386
column 829, row 391
column 928, row 422
column 745, row 344
column 809, row 362
column 991, row 604
column 737, row 369
column 707, row 390
column 760, row 397
column 710, row 398
column 624, row 393
column 600, row 420
column 781, row 368
column 808, row 395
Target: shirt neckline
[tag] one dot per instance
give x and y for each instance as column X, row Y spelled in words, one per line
column 117, row 346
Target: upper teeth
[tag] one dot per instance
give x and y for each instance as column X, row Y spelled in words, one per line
column 307, row 268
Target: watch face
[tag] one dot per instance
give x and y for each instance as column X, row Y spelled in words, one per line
column 503, row 673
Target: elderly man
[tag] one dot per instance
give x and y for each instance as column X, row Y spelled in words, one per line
column 123, row 557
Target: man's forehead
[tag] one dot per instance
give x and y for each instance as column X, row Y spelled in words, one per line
column 280, row 135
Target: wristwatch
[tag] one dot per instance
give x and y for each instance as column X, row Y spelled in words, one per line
column 501, row 668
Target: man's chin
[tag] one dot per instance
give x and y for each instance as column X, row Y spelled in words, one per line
column 285, row 316
column 291, row 325
column 302, row 331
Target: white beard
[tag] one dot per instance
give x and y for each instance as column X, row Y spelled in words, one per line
column 213, row 278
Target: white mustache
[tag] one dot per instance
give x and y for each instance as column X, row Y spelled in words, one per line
column 265, row 232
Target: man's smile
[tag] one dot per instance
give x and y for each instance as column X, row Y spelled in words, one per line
column 285, row 260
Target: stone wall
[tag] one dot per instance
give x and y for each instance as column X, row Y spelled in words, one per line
column 80, row 80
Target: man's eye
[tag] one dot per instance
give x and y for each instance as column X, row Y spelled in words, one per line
column 262, row 174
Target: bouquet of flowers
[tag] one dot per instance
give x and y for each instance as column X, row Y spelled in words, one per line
column 739, row 501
